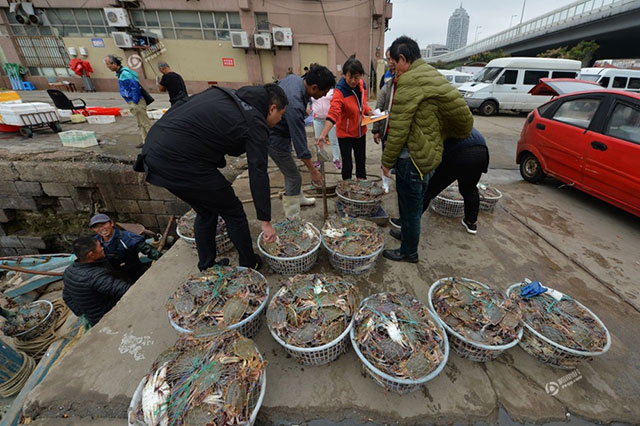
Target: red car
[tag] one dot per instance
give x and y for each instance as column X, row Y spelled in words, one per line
column 587, row 137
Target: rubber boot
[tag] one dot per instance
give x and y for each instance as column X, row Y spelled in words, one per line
column 304, row 201
column 291, row 205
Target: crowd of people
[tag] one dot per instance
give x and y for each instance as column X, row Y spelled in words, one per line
column 428, row 142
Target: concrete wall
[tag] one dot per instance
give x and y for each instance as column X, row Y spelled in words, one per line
column 69, row 187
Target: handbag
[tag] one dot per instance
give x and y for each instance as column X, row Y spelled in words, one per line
column 146, row 95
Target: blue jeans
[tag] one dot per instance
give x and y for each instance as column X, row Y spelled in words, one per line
column 411, row 189
column 318, row 124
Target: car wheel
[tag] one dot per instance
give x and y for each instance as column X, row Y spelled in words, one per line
column 530, row 169
column 488, row 108
column 26, row 132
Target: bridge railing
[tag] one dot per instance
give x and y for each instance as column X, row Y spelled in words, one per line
column 578, row 10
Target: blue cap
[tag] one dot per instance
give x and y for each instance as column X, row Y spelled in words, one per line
column 99, row 218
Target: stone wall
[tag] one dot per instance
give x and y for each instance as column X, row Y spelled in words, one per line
column 66, row 187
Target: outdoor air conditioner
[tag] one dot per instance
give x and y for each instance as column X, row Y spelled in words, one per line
column 262, row 41
column 122, row 40
column 282, row 37
column 240, row 39
column 116, row 16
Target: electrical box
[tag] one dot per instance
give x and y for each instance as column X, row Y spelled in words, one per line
column 83, row 51
column 240, row 39
column 122, row 40
column 116, row 16
column 262, row 41
column 72, row 51
column 282, row 37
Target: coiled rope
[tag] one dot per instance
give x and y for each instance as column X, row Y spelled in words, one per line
column 15, row 384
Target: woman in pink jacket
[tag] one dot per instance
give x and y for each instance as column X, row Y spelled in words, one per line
column 320, row 109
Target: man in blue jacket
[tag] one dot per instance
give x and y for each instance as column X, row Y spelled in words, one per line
column 130, row 92
column 122, row 247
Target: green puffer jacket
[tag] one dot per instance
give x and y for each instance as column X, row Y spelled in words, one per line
column 426, row 111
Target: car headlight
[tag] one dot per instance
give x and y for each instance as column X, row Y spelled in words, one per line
column 468, row 94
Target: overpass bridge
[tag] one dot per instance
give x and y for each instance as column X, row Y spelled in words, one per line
column 613, row 24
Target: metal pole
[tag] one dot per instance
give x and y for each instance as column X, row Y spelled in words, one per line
column 511, row 20
column 524, row 3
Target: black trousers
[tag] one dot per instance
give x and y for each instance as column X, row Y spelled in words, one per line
column 466, row 166
column 209, row 204
column 359, row 148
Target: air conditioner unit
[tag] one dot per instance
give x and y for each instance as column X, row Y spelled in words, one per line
column 262, row 41
column 116, row 16
column 240, row 39
column 122, row 40
column 282, row 37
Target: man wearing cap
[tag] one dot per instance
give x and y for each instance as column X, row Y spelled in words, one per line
column 122, row 247
column 171, row 82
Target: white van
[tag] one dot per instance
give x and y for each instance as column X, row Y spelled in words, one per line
column 613, row 78
column 504, row 83
column 456, row 78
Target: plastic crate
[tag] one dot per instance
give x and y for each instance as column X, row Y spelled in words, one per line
column 78, row 138
column 101, row 119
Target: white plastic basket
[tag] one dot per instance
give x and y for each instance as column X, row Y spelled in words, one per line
column 464, row 347
column 487, row 202
column 42, row 326
column 394, row 384
column 78, row 138
column 255, row 398
column 249, row 326
column 319, row 355
column 552, row 353
column 223, row 242
column 447, row 207
column 358, row 208
column 292, row 265
column 101, row 119
column 352, row 265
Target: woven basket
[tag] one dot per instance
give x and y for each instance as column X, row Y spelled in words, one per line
column 447, row 207
column 292, row 265
column 461, row 345
column 488, row 203
column 248, row 327
column 42, row 326
column 255, row 400
column 394, row 384
column 554, row 354
column 358, row 208
column 352, row 265
column 223, row 242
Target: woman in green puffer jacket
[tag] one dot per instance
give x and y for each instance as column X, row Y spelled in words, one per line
column 426, row 110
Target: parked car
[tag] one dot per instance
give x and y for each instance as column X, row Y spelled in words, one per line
column 456, row 78
column 588, row 137
column 613, row 78
column 504, row 83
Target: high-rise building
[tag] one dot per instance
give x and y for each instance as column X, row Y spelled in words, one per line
column 435, row 50
column 458, row 29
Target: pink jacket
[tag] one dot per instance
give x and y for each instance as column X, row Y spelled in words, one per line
column 321, row 106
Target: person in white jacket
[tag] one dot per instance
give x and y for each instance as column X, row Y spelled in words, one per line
column 320, row 109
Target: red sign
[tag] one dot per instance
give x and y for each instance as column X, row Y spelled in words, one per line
column 227, row 62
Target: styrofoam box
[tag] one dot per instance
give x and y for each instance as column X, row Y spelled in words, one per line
column 65, row 112
column 101, row 119
column 78, row 138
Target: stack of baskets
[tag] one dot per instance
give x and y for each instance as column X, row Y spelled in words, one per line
column 357, row 208
column 292, row 265
column 464, row 347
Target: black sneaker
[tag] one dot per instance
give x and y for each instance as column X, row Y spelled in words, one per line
column 223, row 261
column 258, row 263
column 471, row 228
column 395, row 222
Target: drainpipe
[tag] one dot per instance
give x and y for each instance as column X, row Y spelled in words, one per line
column 370, row 45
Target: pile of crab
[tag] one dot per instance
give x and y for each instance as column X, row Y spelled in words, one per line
column 294, row 238
column 222, row 296
column 209, row 378
column 186, row 222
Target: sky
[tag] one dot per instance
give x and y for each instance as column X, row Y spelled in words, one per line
column 426, row 21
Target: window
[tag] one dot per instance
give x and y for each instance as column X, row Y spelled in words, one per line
column 619, row 82
column 510, row 77
column 462, row 78
column 533, row 77
column 563, row 74
column 577, row 112
column 262, row 22
column 634, row 83
column 604, row 81
column 624, row 123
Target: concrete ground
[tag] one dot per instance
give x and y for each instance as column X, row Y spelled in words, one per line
column 564, row 238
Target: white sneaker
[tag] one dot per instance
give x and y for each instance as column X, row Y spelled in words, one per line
column 304, row 201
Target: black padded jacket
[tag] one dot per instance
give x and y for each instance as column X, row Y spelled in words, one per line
column 91, row 289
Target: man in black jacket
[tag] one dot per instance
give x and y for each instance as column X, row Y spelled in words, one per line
column 90, row 287
column 187, row 146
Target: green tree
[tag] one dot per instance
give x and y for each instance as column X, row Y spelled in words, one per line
column 582, row 52
column 489, row 56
